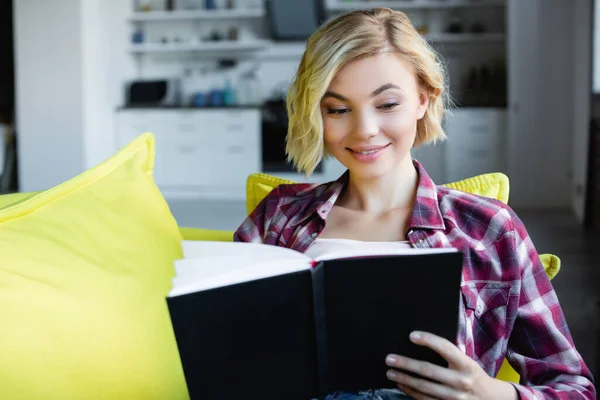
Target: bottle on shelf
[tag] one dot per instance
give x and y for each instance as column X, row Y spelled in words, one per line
column 199, row 89
column 250, row 88
column 229, row 93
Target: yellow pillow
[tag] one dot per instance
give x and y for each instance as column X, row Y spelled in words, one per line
column 8, row 199
column 84, row 270
column 494, row 185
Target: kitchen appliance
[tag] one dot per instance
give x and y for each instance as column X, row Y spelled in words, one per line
column 294, row 19
column 157, row 93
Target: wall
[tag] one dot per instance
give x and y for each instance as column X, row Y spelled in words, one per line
column 596, row 47
column 541, row 103
column 106, row 65
column 582, row 73
column 48, row 91
column 99, row 19
column 77, row 56
column 553, row 134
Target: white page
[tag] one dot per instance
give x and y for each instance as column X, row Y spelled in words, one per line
column 201, row 249
column 193, row 275
column 383, row 250
column 208, row 265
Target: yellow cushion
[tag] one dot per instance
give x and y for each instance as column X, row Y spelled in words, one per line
column 258, row 186
column 13, row 198
column 494, row 185
column 206, row 234
column 85, row 267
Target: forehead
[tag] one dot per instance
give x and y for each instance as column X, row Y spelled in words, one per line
column 369, row 73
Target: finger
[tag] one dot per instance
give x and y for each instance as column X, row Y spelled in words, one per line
column 423, row 368
column 442, row 346
column 423, row 386
column 415, row 394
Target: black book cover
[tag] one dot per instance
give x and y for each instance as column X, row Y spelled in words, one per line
column 369, row 306
column 305, row 334
column 252, row 340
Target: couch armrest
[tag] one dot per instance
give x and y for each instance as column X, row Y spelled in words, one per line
column 206, row 234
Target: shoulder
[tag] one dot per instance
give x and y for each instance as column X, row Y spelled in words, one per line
column 478, row 216
column 297, row 194
column 284, row 206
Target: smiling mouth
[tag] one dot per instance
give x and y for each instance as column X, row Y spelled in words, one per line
column 369, row 150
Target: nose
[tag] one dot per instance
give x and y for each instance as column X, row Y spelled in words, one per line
column 366, row 124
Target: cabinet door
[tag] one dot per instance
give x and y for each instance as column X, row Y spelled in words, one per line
column 475, row 144
column 198, row 150
column 235, row 150
column 183, row 158
column 132, row 123
column 180, row 155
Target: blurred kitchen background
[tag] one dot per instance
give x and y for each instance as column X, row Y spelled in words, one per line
column 209, row 79
column 81, row 78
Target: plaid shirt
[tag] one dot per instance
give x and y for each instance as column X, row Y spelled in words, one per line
column 508, row 307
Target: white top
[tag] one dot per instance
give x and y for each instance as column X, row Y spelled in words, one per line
column 323, row 246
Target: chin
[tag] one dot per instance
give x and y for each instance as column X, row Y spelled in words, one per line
column 372, row 171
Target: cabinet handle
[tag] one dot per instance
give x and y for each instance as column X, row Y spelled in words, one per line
column 185, row 128
column 235, row 149
column 186, row 149
column 235, row 128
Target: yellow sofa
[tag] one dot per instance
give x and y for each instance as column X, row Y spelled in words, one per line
column 84, row 270
column 493, row 185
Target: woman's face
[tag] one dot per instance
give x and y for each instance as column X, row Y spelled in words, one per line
column 370, row 114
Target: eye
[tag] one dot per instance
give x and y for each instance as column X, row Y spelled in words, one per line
column 337, row 111
column 388, row 106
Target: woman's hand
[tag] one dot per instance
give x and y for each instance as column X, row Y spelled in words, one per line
column 463, row 379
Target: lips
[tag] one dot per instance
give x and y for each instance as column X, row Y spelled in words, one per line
column 367, row 154
column 367, row 149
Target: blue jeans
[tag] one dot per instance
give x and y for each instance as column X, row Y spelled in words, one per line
column 381, row 394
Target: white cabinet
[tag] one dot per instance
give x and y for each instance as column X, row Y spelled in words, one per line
column 476, row 142
column 207, row 153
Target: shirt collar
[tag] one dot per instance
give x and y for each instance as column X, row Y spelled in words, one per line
column 426, row 213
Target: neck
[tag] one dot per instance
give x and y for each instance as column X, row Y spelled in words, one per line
column 397, row 189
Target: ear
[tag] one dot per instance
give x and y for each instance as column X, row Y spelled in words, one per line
column 423, row 104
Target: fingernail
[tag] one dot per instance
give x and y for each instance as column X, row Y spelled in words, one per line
column 415, row 335
column 391, row 375
column 390, row 360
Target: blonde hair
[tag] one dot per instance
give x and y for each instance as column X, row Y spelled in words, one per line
column 349, row 37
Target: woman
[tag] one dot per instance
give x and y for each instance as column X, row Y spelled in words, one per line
column 367, row 90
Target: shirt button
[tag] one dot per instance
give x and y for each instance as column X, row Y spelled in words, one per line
column 479, row 308
column 420, row 241
column 313, row 235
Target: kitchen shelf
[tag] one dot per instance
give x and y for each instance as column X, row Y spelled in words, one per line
column 412, row 4
column 217, row 46
column 189, row 15
column 464, row 37
column 283, row 50
column 269, row 49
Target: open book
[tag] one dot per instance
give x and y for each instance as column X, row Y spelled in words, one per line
column 259, row 321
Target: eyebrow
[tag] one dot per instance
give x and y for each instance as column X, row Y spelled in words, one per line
column 375, row 92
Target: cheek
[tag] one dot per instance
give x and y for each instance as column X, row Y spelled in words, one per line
column 400, row 125
column 334, row 130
